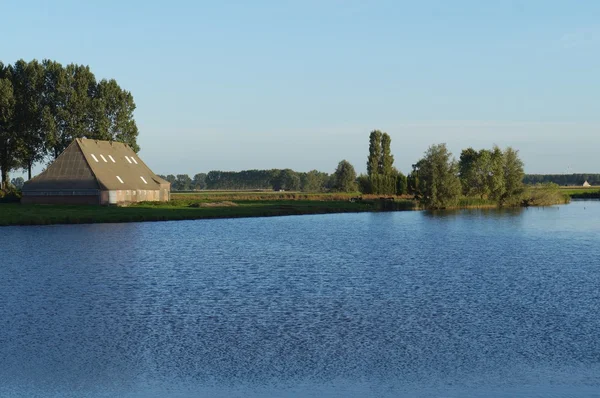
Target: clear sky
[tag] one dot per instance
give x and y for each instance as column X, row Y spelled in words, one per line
column 231, row 85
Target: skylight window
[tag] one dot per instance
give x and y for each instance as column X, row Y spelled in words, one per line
column 103, row 158
column 143, row 179
column 94, row 156
column 133, row 159
column 121, row 181
column 111, row 158
column 127, row 157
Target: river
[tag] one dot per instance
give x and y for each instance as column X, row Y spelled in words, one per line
column 470, row 303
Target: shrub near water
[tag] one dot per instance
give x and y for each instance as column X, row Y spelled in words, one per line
column 544, row 195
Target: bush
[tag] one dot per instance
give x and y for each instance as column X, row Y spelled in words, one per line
column 10, row 195
column 544, row 195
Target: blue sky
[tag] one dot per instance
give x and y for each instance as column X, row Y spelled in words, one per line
column 234, row 85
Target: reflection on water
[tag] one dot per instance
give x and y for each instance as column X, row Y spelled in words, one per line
column 469, row 303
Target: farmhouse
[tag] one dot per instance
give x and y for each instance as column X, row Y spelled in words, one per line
column 96, row 172
column 586, row 184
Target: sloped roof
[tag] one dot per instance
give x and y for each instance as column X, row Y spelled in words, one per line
column 112, row 166
column 70, row 171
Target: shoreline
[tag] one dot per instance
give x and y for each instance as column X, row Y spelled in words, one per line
column 15, row 214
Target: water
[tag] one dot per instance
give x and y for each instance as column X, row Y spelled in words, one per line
column 416, row 304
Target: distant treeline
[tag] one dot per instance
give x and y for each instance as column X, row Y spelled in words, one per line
column 562, row 179
column 274, row 179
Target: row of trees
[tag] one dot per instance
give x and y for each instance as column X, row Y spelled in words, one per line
column 438, row 180
column 343, row 180
column 562, row 179
column 45, row 105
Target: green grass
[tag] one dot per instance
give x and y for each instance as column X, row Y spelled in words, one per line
column 581, row 192
column 224, row 204
column 17, row 214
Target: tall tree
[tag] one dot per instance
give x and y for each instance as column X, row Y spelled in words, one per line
column 7, row 135
column 183, row 182
column 314, row 181
column 345, row 177
column 401, row 184
column 199, row 181
column 496, row 181
column 387, row 159
column 466, row 168
column 438, row 176
column 375, row 153
column 112, row 114
column 380, row 164
column 28, row 85
column 513, row 175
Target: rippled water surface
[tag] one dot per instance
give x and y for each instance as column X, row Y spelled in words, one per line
column 454, row 304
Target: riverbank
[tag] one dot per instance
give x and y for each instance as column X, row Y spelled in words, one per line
column 17, row 214
column 219, row 204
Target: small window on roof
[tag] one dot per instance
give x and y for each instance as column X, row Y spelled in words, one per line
column 94, row 156
column 127, row 157
column 133, row 160
column 143, row 179
column 121, row 181
column 103, row 158
column 111, row 158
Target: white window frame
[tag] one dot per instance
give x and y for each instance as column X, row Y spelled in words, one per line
column 127, row 157
column 120, row 180
column 95, row 158
column 103, row 158
column 143, row 179
column 111, row 158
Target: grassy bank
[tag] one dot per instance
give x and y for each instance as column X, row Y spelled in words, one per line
column 581, row 192
column 184, row 209
column 223, row 204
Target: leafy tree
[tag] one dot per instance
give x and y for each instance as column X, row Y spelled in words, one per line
column 438, row 178
column 380, row 164
column 364, row 184
column 112, row 113
column 172, row 179
column 387, row 159
column 375, row 153
column 199, row 181
column 69, row 91
column 28, row 85
column 479, row 178
column 18, row 182
column 8, row 139
column 466, row 167
column 513, row 175
column 345, row 177
column 287, row 180
column 496, row 183
column 401, row 184
column 313, row 181
column 183, row 182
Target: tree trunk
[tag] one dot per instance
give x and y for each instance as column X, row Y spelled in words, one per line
column 4, row 173
column 3, row 168
column 29, row 170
